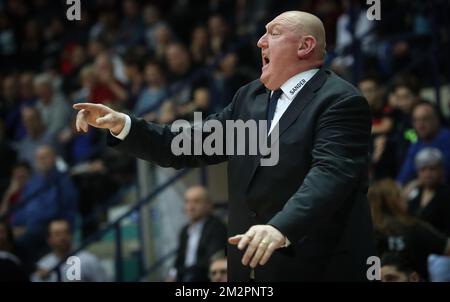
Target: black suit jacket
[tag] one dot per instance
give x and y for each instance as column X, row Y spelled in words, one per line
column 212, row 240
column 315, row 195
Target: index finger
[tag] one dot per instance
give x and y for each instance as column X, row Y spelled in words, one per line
column 235, row 239
column 87, row 106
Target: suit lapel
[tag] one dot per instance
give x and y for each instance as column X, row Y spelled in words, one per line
column 290, row 115
column 298, row 104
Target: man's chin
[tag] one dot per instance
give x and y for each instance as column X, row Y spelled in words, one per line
column 264, row 79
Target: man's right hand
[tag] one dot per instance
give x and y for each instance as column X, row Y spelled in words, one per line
column 99, row 116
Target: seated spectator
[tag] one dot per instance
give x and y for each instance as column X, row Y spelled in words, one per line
column 200, row 48
column 8, row 157
column 154, row 93
column 228, row 78
column 20, row 175
column 151, row 18
column 430, row 198
column 54, row 110
column 14, row 264
column 218, row 267
column 219, row 34
column 60, row 241
column 87, row 82
column 135, row 85
column 199, row 240
column 16, row 93
column 396, row 231
column 383, row 157
column 430, row 134
column 402, row 98
column 107, row 89
column 191, row 89
column 163, row 39
column 396, row 268
column 48, row 195
column 36, row 135
column 132, row 30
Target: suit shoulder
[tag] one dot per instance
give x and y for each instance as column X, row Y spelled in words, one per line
column 341, row 86
column 336, row 90
column 252, row 87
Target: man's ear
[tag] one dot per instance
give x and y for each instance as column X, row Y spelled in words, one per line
column 306, row 47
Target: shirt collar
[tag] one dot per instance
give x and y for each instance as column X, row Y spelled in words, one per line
column 292, row 86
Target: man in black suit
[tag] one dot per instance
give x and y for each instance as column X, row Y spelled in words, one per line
column 200, row 239
column 307, row 217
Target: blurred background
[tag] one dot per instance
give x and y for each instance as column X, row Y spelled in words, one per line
column 63, row 193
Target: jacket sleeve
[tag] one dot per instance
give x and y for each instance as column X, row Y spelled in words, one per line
column 339, row 160
column 153, row 142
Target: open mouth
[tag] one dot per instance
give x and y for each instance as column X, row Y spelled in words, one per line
column 265, row 60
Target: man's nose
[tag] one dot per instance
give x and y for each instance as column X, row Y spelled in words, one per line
column 262, row 42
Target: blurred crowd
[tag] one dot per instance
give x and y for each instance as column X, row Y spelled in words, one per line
column 165, row 60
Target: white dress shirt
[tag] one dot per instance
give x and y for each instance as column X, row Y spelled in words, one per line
column 290, row 90
column 194, row 232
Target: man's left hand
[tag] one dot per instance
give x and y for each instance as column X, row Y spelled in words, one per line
column 261, row 241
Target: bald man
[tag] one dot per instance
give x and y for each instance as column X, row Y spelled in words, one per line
column 307, row 217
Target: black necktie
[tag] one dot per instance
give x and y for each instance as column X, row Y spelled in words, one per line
column 272, row 106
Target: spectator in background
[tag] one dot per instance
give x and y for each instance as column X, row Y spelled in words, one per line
column 36, row 135
column 17, row 91
column 20, row 175
column 200, row 48
column 429, row 200
column 153, row 94
column 397, row 268
column 429, row 134
column 54, row 110
column 97, row 47
column 151, row 18
column 228, row 78
column 383, row 155
column 402, row 98
column 9, row 98
column 107, row 89
column 163, row 38
column 48, row 195
column 26, row 89
column 60, row 241
column 345, row 44
column 87, row 83
column 131, row 31
column 31, row 46
column 135, row 85
column 8, row 158
column 219, row 35
column 396, row 231
column 74, row 60
column 191, row 89
column 199, row 240
column 104, row 26
column 218, row 267
column 12, row 266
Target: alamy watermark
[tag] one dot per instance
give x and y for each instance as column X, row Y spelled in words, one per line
column 74, row 11
column 234, row 137
column 374, row 271
column 374, row 11
column 73, row 271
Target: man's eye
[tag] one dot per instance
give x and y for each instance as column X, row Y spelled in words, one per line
column 274, row 33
